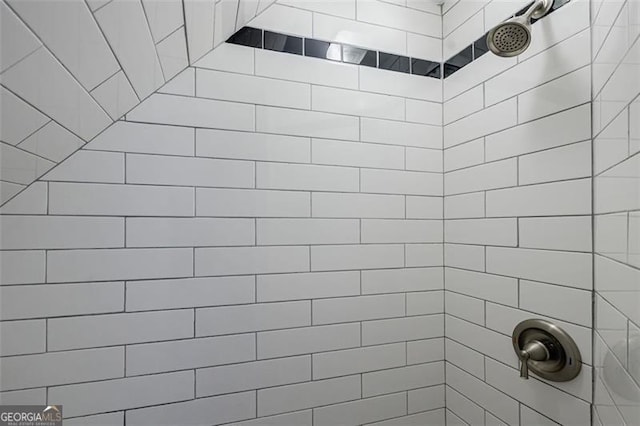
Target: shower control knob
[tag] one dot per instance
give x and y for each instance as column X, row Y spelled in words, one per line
column 546, row 350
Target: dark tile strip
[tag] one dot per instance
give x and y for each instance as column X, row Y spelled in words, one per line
column 269, row 40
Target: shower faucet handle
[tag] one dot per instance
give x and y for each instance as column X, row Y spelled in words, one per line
column 533, row 350
column 546, row 350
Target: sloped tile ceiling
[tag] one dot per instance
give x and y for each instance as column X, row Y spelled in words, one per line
column 70, row 68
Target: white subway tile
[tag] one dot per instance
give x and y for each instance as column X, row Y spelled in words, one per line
column 364, row 410
column 611, row 146
column 22, row 267
column 345, row 8
column 399, row 133
column 23, row 337
column 228, row 57
column 251, row 260
column 306, row 123
column 532, row 72
column 18, row 117
column 326, row 151
column 252, row 375
column 97, row 420
column 429, row 398
column 124, row 24
column 52, row 142
column 252, row 203
column 279, row 343
column 306, row 177
column 118, row 264
column 353, row 102
column 550, row 199
column 483, row 340
column 489, row 398
column 221, row 409
column 567, row 162
column 470, row 412
column 191, row 232
column 90, row 166
column 556, row 301
column 349, row 309
column 115, row 95
column 464, row 35
column 298, row 418
column 252, row 146
column 190, row 353
column 306, row 395
column 556, row 130
column 424, row 207
column 360, row 360
column 464, row 256
column 618, row 187
column 117, row 329
column 424, row 160
column 464, row 105
column 495, row 232
column 25, row 42
column 255, row 317
column 464, row 155
column 422, row 111
column 401, row 280
column 251, row 89
column 29, row 396
column 530, row 417
column 189, row 171
column 55, row 232
column 424, row 47
column 42, row 81
column 189, row 292
column 557, row 267
column 403, row 378
column 40, row 301
column 33, row 200
column 485, row 286
column 56, row 368
column 307, row 231
column 484, row 122
column 400, row 84
column 401, row 231
column 467, row 308
column 359, row 34
column 21, row 167
column 459, row 13
column 304, row 69
column 556, row 233
column 401, row 182
column 357, row 205
column 370, row 256
column 164, row 18
column 565, row 92
column 119, row 200
column 122, row 394
column 464, row 206
column 385, row 14
column 182, row 84
column 402, row 329
column 125, row 136
column 418, row 255
column 195, row 112
column 421, row 351
column 475, row 73
column 467, row 359
column 554, row 403
column 494, row 175
column 425, row 303
column 434, row 417
column 307, row 286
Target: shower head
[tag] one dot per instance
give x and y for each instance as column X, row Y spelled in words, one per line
column 513, row 36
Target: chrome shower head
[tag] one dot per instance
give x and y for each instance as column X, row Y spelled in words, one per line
column 513, row 36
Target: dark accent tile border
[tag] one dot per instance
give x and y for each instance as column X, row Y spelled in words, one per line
column 338, row 52
column 479, row 47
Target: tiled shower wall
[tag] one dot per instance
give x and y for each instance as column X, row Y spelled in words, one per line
column 262, row 238
column 616, row 121
column 517, row 162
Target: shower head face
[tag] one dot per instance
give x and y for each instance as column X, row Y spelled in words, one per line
column 510, row 38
